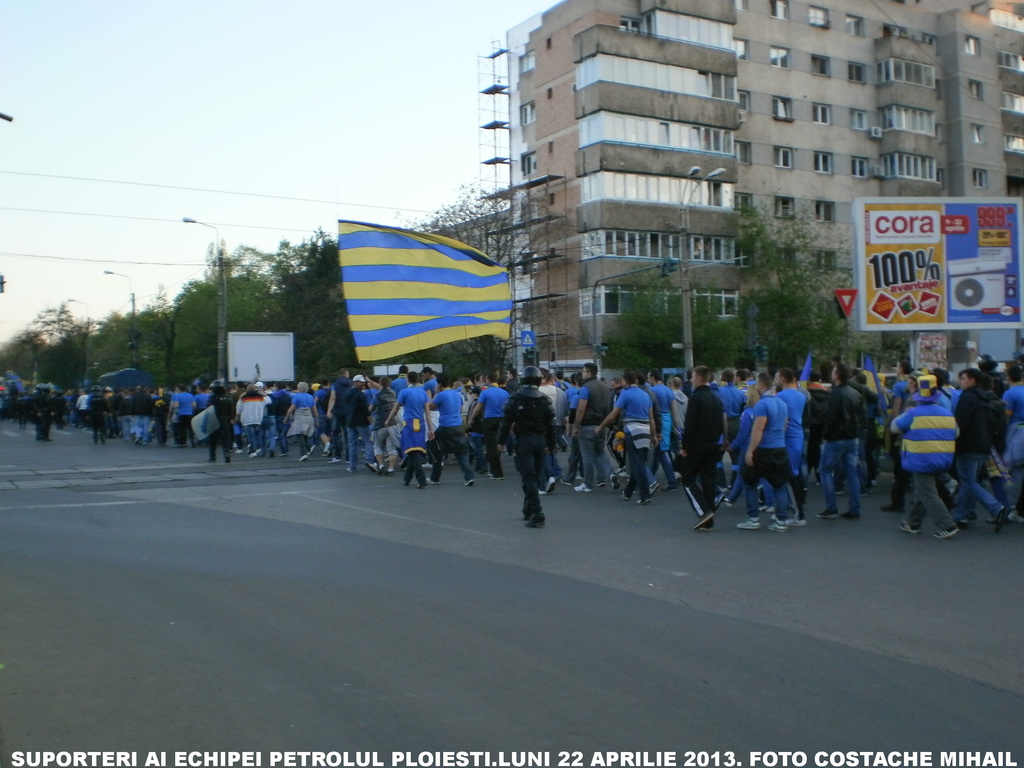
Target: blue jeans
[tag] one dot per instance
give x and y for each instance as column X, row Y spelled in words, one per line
column 967, row 466
column 835, row 454
column 355, row 434
column 282, row 436
column 639, row 473
column 254, row 436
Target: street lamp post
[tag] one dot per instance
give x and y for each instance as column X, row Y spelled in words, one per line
column 222, row 300
column 133, row 346
column 88, row 330
column 684, row 231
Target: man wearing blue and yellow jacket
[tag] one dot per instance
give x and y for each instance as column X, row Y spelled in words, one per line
column 929, row 439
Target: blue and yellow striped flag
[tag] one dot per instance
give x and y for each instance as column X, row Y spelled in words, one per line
column 407, row 291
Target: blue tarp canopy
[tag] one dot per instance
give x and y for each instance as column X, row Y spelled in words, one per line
column 126, row 377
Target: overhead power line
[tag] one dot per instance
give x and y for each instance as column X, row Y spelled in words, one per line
column 213, row 191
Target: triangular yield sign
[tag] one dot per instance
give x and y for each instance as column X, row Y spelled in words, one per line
column 846, row 297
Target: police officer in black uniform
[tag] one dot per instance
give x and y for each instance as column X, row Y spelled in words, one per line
column 224, row 408
column 42, row 412
column 529, row 412
column 98, row 410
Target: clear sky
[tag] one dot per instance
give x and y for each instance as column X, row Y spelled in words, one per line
column 371, row 107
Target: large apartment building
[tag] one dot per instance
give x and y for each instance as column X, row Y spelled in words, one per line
column 636, row 128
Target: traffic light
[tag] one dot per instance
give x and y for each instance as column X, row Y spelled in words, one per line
column 2, row 283
column 668, row 266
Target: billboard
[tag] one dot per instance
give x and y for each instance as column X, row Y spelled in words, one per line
column 942, row 263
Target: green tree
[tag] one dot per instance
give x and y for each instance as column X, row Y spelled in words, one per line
column 792, row 273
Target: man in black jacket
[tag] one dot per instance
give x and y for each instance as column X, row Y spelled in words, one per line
column 529, row 412
column 844, row 418
column 979, row 417
column 702, row 435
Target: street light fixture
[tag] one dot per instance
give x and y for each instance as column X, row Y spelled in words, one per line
column 685, row 263
column 133, row 345
column 222, row 299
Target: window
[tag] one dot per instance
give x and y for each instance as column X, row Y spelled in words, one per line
column 785, row 207
column 820, row 65
column 1014, row 102
column 724, row 303
column 817, row 17
column 779, row 9
column 743, row 200
column 858, row 119
column 975, row 88
column 741, row 48
column 779, row 57
column 621, row 243
column 528, row 163
column 825, row 260
column 823, row 162
column 972, row 46
column 979, row 178
column 1014, row 143
column 649, row 74
column 977, row 134
column 900, row 118
column 782, row 108
column 854, row 26
column 906, row 166
column 783, row 157
column 651, row 132
column 824, row 210
column 1011, row 61
column 743, row 97
column 859, row 167
column 690, row 29
column 821, row 114
column 612, row 185
column 710, row 248
column 527, row 61
column 528, row 113
column 629, row 24
column 856, row 72
column 902, row 71
column 742, row 5
column 743, row 152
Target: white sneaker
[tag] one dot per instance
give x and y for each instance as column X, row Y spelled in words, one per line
column 750, row 524
column 1015, row 518
column 582, row 488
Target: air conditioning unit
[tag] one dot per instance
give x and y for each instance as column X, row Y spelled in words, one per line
column 876, row 132
column 878, row 171
column 743, row 116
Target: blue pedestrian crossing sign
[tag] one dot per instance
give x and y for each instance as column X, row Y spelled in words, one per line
column 528, row 339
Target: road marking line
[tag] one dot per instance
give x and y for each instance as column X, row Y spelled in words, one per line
column 75, row 506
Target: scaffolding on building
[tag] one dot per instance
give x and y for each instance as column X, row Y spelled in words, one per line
column 493, row 108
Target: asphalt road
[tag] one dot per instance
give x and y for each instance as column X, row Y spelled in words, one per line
column 150, row 601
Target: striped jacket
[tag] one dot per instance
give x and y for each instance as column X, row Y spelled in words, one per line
column 929, row 438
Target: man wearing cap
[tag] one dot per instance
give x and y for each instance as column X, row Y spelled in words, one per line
column 356, row 409
column 929, row 433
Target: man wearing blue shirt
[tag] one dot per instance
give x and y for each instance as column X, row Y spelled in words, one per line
column 634, row 406
column 450, row 434
column 491, row 404
column 417, row 431
column 796, row 402
column 662, row 441
column 766, row 456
